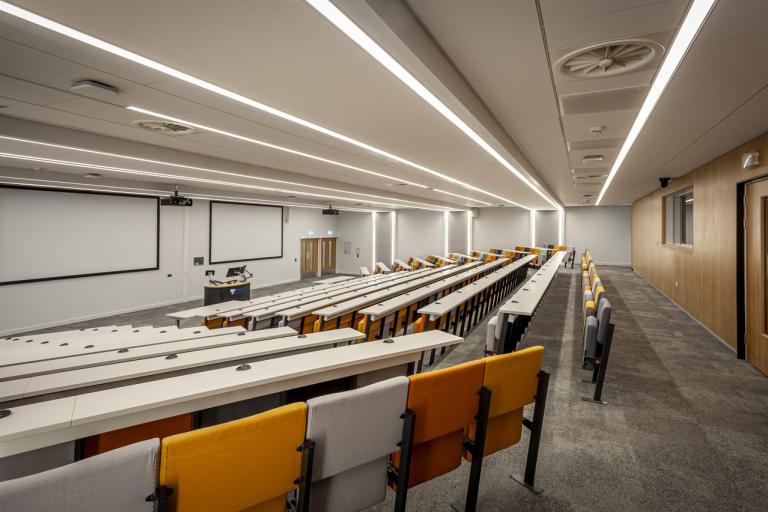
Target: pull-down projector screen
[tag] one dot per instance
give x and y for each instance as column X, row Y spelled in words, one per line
column 244, row 232
column 48, row 234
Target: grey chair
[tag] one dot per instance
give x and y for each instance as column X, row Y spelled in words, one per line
column 590, row 341
column 354, row 433
column 119, row 481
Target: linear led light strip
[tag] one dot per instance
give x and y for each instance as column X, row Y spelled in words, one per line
column 694, row 19
column 291, row 151
column 167, row 70
column 85, row 165
column 343, row 23
column 203, row 169
column 268, row 145
column 93, row 187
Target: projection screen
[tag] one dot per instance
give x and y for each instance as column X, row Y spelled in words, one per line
column 48, row 234
column 244, row 232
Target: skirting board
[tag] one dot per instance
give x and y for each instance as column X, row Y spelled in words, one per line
column 47, row 325
column 718, row 338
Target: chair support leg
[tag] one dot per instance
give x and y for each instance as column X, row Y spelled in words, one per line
column 535, row 427
column 307, row 450
column 406, row 444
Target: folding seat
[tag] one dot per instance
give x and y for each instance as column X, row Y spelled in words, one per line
column 118, row 481
column 101, row 443
column 213, row 323
column 514, row 382
column 590, row 340
column 247, row 464
column 493, row 333
column 354, row 433
column 445, row 402
column 373, row 331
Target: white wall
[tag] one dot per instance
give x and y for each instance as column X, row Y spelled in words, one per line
column 606, row 230
column 356, row 228
column 183, row 235
column 419, row 233
column 457, row 231
column 500, row 228
column 547, row 227
column 384, row 238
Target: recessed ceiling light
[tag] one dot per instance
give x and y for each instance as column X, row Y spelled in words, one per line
column 694, row 20
column 364, row 41
column 221, row 91
column 203, row 169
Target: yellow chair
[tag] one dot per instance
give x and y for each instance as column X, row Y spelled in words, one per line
column 248, row 464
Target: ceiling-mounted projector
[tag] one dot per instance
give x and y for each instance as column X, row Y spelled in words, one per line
column 175, row 200
column 330, row 211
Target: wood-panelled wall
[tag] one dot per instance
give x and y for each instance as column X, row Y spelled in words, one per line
column 702, row 280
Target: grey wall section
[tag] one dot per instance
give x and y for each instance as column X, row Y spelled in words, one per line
column 605, row 230
column 500, row 228
column 419, row 233
column 547, row 227
column 357, row 229
column 384, row 238
column 457, row 231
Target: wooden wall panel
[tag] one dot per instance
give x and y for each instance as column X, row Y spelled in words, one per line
column 702, row 280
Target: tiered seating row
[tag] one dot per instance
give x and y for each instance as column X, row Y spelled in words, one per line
column 403, row 306
column 334, row 453
column 598, row 329
column 506, row 330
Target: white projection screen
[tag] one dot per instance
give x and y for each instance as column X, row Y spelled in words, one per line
column 48, row 234
column 244, row 232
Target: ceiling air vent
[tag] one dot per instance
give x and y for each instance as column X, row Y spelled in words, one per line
column 609, row 59
column 164, row 127
column 397, row 184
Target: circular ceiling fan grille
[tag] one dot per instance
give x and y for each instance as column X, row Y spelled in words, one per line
column 609, row 59
column 164, row 127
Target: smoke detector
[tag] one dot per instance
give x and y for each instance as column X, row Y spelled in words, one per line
column 609, row 58
column 597, row 130
column 164, row 127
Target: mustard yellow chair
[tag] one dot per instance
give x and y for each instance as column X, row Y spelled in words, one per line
column 248, row 464
column 514, row 381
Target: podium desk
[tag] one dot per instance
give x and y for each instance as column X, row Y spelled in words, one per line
column 217, row 293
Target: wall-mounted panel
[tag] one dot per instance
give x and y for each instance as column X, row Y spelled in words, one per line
column 48, row 234
column 245, row 232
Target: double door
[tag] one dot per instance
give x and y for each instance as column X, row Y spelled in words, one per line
column 318, row 257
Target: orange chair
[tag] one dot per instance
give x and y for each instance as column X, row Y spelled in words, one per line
column 107, row 441
column 445, row 403
column 514, row 380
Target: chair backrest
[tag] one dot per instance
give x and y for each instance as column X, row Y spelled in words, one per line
column 364, row 271
column 599, row 294
column 512, row 379
column 445, row 403
column 119, row 481
column 603, row 318
column 590, row 336
column 354, row 432
column 236, row 465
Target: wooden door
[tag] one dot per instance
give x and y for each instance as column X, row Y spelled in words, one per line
column 309, row 257
column 756, row 238
column 328, row 251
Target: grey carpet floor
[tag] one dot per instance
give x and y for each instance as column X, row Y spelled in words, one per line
column 685, row 428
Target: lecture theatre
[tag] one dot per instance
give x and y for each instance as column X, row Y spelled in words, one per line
column 383, row 255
